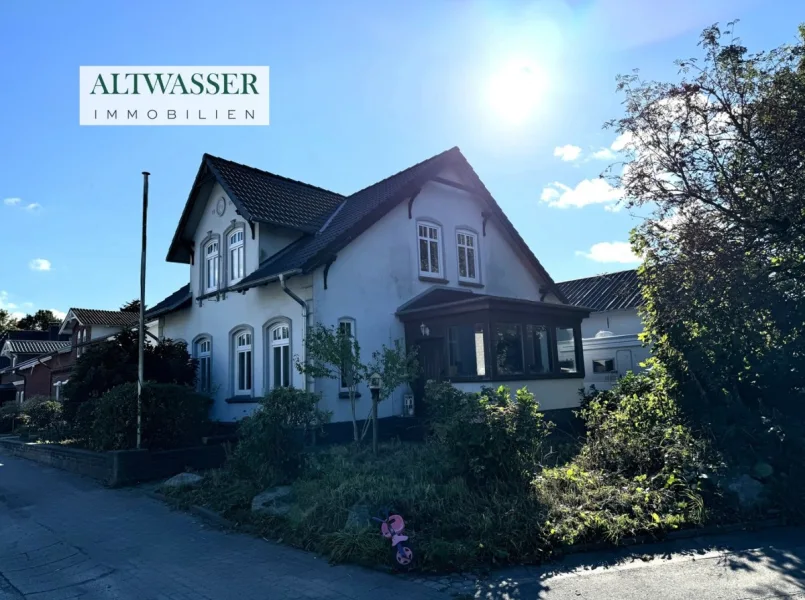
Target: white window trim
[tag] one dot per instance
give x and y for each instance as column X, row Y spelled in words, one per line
column 199, row 355
column 236, row 333
column 207, row 260
column 352, row 334
column 281, row 343
column 439, row 248
column 229, row 248
column 472, row 234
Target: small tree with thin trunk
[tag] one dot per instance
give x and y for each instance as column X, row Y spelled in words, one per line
column 396, row 367
column 332, row 353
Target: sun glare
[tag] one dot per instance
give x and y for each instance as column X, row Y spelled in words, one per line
column 515, row 91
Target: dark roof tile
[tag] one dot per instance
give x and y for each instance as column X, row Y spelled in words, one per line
column 612, row 291
column 179, row 299
column 274, row 199
column 34, row 346
column 111, row 318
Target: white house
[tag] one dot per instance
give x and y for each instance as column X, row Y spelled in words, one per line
column 426, row 256
column 610, row 335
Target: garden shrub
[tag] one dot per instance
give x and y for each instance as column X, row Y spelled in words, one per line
column 107, row 364
column 43, row 414
column 271, row 440
column 490, row 435
column 173, row 416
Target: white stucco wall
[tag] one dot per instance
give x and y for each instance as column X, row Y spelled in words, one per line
column 273, row 239
column 378, row 272
column 101, row 332
column 551, row 394
column 219, row 318
column 619, row 322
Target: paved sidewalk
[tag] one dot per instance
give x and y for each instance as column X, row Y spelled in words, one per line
column 64, row 537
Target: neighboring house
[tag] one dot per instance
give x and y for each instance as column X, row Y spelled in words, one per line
column 611, row 344
column 425, row 256
column 18, row 347
column 42, row 367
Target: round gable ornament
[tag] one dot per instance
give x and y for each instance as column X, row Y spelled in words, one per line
column 220, row 208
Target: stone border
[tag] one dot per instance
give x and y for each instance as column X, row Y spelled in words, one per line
column 120, row 467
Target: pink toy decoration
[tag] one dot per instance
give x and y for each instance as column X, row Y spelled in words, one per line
column 392, row 529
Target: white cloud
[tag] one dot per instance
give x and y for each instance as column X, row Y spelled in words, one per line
column 610, row 252
column 622, row 142
column 58, row 313
column 33, row 207
column 5, row 304
column 587, row 191
column 603, row 154
column 567, row 152
column 11, row 201
column 39, row 264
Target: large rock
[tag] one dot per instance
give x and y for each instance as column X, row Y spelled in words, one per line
column 183, row 479
column 274, row 501
column 748, row 490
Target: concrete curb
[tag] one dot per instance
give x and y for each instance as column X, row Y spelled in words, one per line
column 205, row 514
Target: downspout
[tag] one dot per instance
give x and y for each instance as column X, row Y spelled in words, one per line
column 305, row 314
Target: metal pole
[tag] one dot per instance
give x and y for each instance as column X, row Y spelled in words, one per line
column 141, row 328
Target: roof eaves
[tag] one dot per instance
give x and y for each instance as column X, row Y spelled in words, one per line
column 245, row 285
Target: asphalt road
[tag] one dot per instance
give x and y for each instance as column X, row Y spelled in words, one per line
column 63, row 537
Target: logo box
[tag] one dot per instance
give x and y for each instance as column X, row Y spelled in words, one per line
column 174, row 95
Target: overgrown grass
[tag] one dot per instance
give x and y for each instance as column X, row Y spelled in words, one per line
column 639, row 471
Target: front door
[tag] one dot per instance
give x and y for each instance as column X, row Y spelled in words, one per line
column 430, row 354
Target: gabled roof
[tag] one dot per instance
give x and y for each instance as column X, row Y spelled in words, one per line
column 106, row 318
column 364, row 208
column 259, row 196
column 179, row 299
column 33, row 346
column 611, row 291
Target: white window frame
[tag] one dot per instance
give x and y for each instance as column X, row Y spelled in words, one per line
column 346, row 321
column 203, row 353
column 247, row 349
column 236, row 249
column 431, row 227
column 212, row 265
column 465, row 248
column 277, row 341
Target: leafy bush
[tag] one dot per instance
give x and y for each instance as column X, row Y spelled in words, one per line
column 271, row 440
column 106, row 365
column 173, row 416
column 42, row 412
column 489, row 435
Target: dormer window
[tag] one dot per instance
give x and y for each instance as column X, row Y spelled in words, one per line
column 429, row 237
column 467, row 246
column 236, row 265
column 211, row 253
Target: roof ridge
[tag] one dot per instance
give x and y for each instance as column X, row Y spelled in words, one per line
column 419, row 164
column 99, row 309
column 600, row 275
column 264, row 172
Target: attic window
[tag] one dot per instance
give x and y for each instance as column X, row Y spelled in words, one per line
column 211, row 267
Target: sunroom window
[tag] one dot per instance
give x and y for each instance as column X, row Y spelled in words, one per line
column 566, row 349
column 509, row 348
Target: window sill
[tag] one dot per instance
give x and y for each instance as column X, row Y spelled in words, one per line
column 345, row 395
column 473, row 284
column 242, row 400
column 433, row 279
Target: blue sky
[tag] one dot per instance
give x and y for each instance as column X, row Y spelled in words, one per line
column 359, row 90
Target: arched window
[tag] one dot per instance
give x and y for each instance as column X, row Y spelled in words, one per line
column 236, row 265
column 280, row 341
column 203, row 352
column 429, row 238
column 243, row 362
column 211, row 253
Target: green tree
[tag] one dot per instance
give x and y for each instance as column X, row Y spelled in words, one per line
column 39, row 321
column 131, row 306
column 7, row 322
column 719, row 154
column 111, row 363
